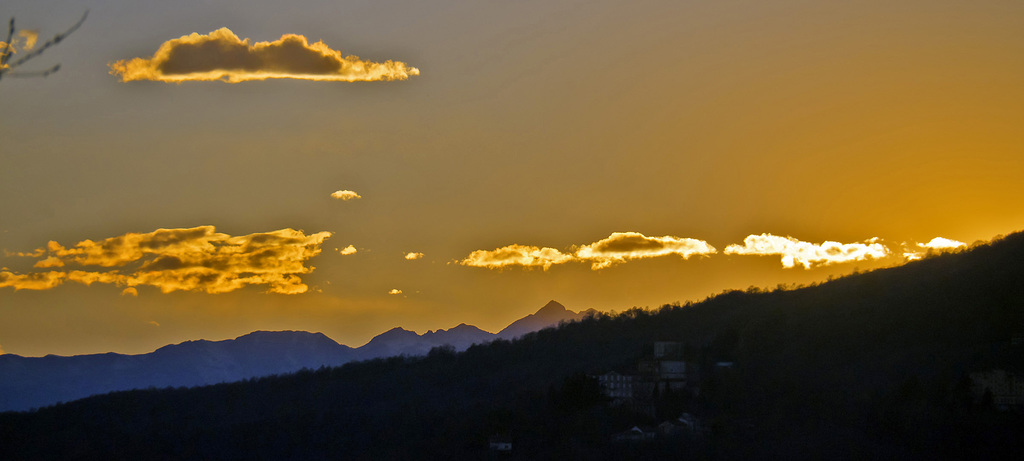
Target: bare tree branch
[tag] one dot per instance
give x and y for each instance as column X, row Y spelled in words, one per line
column 8, row 50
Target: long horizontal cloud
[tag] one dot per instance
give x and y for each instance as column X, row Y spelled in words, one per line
column 189, row 259
column 222, row 55
column 807, row 254
column 622, row 246
column 516, row 255
column 616, row 248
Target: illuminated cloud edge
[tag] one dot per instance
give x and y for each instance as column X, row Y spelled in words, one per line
column 935, row 245
column 516, row 255
column 620, row 247
column 796, row 252
column 222, row 55
column 345, row 195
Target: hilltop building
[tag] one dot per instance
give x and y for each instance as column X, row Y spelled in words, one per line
column 620, row 386
column 664, row 370
column 1007, row 388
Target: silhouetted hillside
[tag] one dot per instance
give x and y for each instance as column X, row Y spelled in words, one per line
column 870, row 366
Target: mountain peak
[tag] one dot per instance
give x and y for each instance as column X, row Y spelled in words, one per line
column 550, row 315
column 394, row 334
column 552, row 308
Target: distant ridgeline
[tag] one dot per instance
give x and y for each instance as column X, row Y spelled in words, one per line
column 876, row 365
column 33, row 382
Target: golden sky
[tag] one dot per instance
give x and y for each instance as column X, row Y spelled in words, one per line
column 206, row 168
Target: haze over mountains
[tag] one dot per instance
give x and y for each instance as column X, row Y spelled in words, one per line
column 31, row 382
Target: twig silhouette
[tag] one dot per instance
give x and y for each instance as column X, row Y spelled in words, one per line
column 7, row 66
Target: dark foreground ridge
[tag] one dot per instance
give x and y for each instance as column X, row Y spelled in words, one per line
column 875, row 365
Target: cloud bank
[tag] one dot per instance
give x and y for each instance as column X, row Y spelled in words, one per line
column 188, row 259
column 222, row 55
column 807, row 254
column 345, row 195
column 621, row 247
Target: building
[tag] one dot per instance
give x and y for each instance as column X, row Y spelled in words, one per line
column 664, row 370
column 1007, row 388
column 668, row 350
column 619, row 386
column 501, row 444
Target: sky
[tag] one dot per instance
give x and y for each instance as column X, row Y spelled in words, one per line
column 201, row 169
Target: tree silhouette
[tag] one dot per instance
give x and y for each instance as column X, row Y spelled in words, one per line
column 8, row 49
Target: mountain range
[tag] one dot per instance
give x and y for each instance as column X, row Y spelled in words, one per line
column 32, row 382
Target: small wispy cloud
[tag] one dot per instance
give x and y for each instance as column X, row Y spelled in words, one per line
column 412, row 256
column 30, row 37
column 937, row 245
column 516, row 255
column 188, row 259
column 130, row 291
column 222, row 55
column 942, row 243
column 795, row 252
column 37, row 253
column 395, row 291
column 349, row 250
column 31, row 281
column 345, row 195
column 623, row 246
